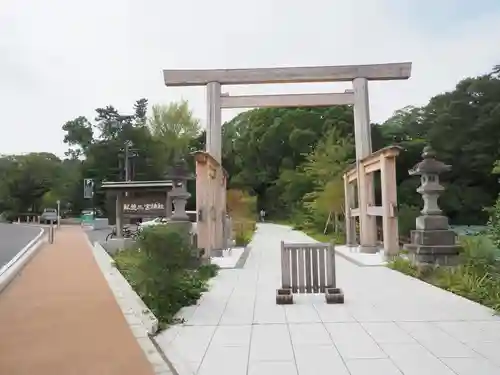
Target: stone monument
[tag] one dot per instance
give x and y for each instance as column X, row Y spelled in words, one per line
column 432, row 243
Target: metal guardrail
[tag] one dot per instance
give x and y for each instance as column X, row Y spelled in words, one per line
column 22, row 252
column 9, row 271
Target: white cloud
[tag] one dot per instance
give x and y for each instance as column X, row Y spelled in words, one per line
column 61, row 59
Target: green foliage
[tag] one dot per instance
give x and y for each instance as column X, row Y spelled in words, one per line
column 479, row 250
column 243, row 231
column 494, row 223
column 335, row 238
column 241, row 205
column 406, row 220
column 477, row 277
column 404, row 266
column 174, row 126
column 265, row 147
column 167, row 245
column 207, row 271
column 27, row 182
column 161, row 270
column 463, row 126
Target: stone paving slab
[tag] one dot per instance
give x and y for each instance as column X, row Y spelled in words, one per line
column 59, row 317
column 390, row 324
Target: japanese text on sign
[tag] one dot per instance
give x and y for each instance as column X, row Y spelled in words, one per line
column 143, row 207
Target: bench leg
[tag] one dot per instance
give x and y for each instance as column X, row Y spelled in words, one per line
column 334, row 295
column 284, row 297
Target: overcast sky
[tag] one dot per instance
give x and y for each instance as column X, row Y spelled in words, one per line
column 60, row 59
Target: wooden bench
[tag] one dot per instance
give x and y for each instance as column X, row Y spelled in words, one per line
column 308, row 268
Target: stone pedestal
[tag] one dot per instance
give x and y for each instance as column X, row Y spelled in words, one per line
column 433, row 246
column 432, row 242
column 179, row 197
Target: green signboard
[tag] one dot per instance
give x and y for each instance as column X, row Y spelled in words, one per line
column 87, row 219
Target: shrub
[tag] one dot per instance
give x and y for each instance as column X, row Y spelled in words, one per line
column 404, row 266
column 169, row 245
column 207, row 271
column 243, row 231
column 478, row 250
column 161, row 269
column 241, row 205
column 406, row 220
column 494, row 223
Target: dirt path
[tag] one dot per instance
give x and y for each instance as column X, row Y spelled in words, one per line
column 60, row 318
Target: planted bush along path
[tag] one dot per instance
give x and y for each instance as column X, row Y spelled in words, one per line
column 163, row 269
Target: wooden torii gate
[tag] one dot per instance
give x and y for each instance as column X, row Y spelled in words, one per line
column 359, row 75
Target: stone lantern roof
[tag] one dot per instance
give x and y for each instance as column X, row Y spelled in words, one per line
column 429, row 164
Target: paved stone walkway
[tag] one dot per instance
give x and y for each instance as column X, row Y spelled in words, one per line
column 390, row 324
column 60, row 318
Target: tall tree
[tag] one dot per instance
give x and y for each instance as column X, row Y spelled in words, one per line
column 326, row 166
column 175, row 127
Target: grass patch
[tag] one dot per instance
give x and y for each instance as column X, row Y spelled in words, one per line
column 335, row 238
column 163, row 270
column 477, row 278
column 243, row 230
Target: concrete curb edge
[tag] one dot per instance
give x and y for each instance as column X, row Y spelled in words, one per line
column 357, row 262
column 12, row 269
column 140, row 319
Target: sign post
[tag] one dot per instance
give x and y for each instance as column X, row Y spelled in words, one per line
column 88, row 188
column 88, row 193
column 58, row 213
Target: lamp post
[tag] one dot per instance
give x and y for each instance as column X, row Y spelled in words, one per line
column 128, row 153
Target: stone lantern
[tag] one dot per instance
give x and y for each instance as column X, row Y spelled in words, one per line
column 179, row 194
column 432, row 242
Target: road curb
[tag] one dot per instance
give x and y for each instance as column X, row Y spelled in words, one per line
column 140, row 319
column 9, row 271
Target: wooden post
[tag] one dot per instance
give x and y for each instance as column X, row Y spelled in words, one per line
column 214, row 130
column 285, row 267
column 168, row 205
column 330, row 270
column 367, row 223
column 350, row 225
column 119, row 214
column 366, row 192
column 389, row 202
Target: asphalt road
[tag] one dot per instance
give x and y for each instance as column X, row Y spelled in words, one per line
column 13, row 238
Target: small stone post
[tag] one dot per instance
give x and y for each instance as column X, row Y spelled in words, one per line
column 432, row 242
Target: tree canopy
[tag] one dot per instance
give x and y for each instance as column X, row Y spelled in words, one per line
column 290, row 159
